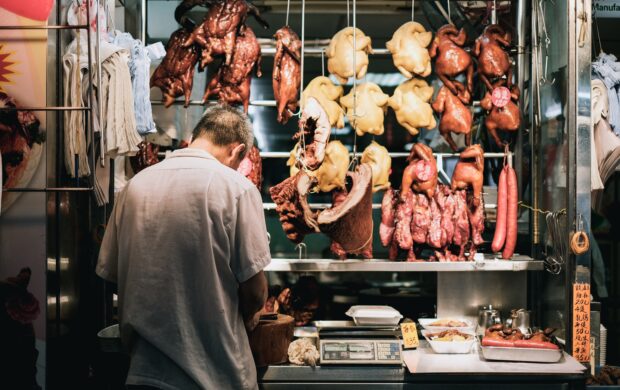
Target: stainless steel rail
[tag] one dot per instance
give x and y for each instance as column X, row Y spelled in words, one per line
column 53, row 27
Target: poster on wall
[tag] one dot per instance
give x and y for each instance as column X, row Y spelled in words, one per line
column 23, row 59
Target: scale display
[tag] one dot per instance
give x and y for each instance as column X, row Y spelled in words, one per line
column 357, row 351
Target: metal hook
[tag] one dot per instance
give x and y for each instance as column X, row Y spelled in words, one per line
column 303, row 249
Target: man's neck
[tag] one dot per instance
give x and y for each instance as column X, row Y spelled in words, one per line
column 204, row 144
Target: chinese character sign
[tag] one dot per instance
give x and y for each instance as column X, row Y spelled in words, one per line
column 581, row 321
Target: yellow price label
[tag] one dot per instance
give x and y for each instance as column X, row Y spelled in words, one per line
column 410, row 335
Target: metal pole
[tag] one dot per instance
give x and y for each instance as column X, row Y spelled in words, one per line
column 521, row 28
column 143, row 12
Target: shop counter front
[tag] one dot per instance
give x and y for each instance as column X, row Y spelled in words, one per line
column 425, row 369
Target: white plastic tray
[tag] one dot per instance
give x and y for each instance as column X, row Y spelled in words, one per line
column 425, row 323
column 450, row 346
column 374, row 315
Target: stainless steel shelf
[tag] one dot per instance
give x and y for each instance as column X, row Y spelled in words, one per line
column 392, row 154
column 488, row 263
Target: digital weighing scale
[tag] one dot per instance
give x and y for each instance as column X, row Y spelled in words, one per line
column 343, row 342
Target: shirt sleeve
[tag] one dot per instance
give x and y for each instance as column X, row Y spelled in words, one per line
column 251, row 245
column 107, row 265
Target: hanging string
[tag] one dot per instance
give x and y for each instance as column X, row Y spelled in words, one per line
column 348, row 23
column 354, row 116
column 540, row 211
column 303, row 48
column 449, row 14
column 412, row 8
column 598, row 33
column 323, row 62
column 288, row 10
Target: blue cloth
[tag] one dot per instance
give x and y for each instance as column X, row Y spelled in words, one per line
column 139, row 68
column 607, row 68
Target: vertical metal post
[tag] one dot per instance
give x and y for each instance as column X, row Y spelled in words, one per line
column 143, row 25
column 521, row 29
column 578, row 110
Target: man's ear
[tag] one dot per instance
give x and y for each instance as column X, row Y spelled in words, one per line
column 238, row 151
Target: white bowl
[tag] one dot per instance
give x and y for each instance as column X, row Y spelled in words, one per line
column 374, row 315
column 425, row 323
column 450, row 346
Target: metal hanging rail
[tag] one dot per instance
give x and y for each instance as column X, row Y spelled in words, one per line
column 392, row 154
column 56, row 27
column 45, row 108
column 50, row 189
column 256, row 103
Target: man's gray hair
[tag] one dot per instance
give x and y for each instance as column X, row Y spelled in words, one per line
column 224, row 125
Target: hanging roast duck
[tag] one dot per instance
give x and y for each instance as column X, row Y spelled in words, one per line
column 286, row 72
column 491, row 48
column 456, row 117
column 451, row 59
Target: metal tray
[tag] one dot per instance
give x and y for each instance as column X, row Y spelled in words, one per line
column 348, row 325
column 533, row 355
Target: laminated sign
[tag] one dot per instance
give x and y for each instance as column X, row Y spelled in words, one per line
column 410, row 335
column 581, row 322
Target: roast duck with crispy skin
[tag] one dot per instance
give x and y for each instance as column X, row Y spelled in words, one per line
column 505, row 119
column 409, row 50
column 146, row 156
column 286, row 73
column 491, row 48
column 448, row 220
column 252, row 167
column 175, row 74
column 343, row 59
column 456, row 116
column 451, row 59
column 222, row 26
column 410, row 102
column 231, row 82
column 366, row 105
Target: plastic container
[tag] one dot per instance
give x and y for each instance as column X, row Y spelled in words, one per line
column 374, row 315
column 460, row 347
column 425, row 323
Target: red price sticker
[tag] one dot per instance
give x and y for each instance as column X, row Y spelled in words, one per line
column 410, row 335
column 500, row 96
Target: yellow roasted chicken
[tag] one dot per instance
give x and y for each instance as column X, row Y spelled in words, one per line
column 380, row 162
column 341, row 61
column 332, row 172
column 328, row 95
column 409, row 50
column 371, row 104
column 410, row 102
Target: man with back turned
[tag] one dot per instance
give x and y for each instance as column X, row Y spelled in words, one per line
column 186, row 244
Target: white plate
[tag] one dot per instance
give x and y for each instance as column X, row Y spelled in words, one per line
column 374, row 315
column 425, row 323
column 451, row 346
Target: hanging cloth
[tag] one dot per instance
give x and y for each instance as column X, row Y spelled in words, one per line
column 600, row 110
column 607, row 69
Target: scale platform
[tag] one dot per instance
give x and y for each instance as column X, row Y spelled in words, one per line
column 343, row 342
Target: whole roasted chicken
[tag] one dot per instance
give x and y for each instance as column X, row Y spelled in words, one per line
column 328, row 95
column 286, row 72
column 410, row 102
column 370, row 106
column 343, row 59
column 409, row 50
column 507, row 118
column 456, row 117
column 223, row 24
column 380, row 162
column 469, row 172
column 491, row 48
column 333, row 170
column 175, row 75
column 421, row 173
column 450, row 58
column 232, row 82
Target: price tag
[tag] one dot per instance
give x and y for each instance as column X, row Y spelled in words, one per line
column 410, row 335
column 500, row 96
column 581, row 322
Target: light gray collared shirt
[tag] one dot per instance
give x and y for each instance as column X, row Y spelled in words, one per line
column 183, row 234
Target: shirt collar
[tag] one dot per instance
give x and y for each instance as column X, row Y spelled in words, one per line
column 192, row 152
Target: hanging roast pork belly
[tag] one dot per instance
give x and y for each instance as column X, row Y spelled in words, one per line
column 314, row 131
column 349, row 222
column 291, row 199
column 286, row 73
